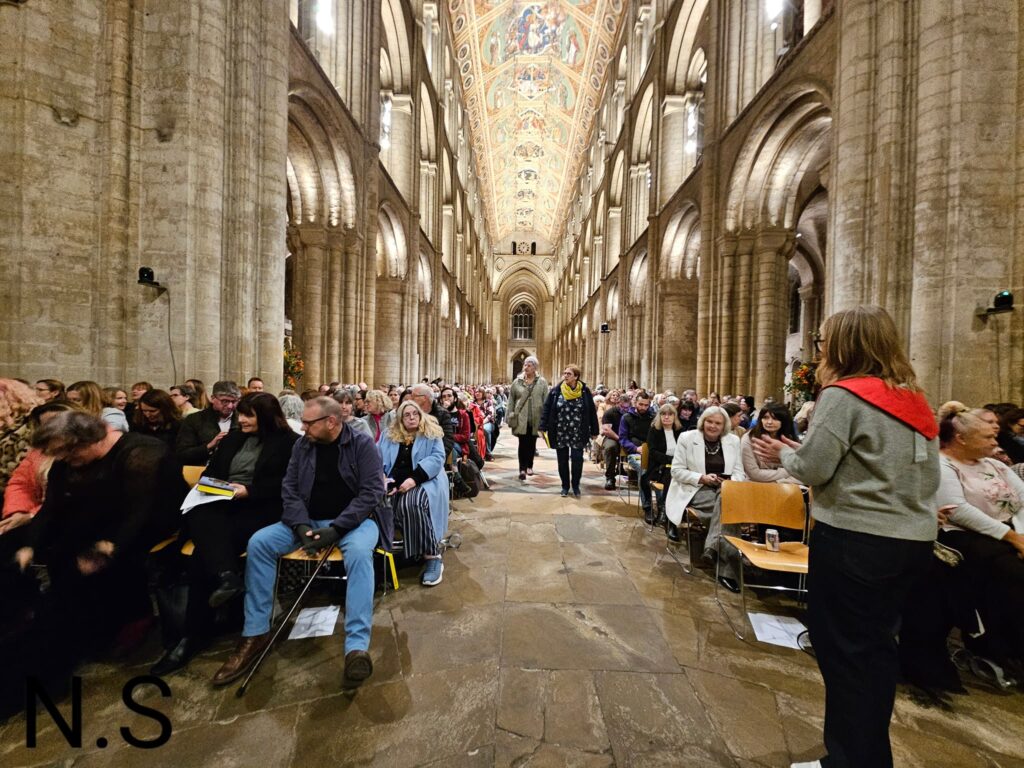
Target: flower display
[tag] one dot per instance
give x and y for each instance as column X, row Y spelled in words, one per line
column 293, row 367
column 803, row 383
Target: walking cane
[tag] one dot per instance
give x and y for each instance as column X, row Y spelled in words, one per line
column 248, row 678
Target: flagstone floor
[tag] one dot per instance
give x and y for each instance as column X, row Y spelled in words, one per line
column 562, row 635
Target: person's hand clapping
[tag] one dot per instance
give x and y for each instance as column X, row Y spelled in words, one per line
column 768, row 449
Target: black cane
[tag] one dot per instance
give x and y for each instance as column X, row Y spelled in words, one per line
column 248, row 678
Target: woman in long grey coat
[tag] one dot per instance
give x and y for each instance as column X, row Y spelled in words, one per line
column 525, row 404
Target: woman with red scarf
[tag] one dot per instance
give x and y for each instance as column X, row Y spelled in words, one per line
column 872, row 459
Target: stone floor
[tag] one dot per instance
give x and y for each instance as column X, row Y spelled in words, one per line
column 561, row 636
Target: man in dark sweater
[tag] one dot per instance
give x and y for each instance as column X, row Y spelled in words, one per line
column 633, row 429
column 201, row 432
column 330, row 496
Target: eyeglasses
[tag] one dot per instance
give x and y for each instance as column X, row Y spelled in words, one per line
column 225, row 400
column 310, row 422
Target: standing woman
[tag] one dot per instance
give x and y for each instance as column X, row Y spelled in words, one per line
column 412, row 451
column 872, row 459
column 525, row 402
column 253, row 458
column 570, row 419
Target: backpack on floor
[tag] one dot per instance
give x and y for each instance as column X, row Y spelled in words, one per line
column 471, row 478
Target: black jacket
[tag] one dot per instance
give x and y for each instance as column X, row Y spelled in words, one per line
column 656, row 456
column 448, row 424
column 196, row 431
column 275, row 453
column 549, row 417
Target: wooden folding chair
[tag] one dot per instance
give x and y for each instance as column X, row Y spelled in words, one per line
column 780, row 505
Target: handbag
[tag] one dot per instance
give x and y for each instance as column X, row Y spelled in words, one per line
column 947, row 555
column 513, row 418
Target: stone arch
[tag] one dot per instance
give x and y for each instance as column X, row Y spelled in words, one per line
column 392, row 257
column 641, row 146
column 681, row 245
column 684, row 33
column 397, row 44
column 638, row 280
column 428, row 144
column 446, row 301
column 615, row 189
column 424, row 278
column 791, row 138
column 322, row 169
column 527, row 271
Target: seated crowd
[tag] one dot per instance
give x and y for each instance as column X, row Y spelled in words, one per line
column 92, row 482
column 93, row 487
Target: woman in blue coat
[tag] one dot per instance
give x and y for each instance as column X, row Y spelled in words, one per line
column 570, row 420
column 412, row 452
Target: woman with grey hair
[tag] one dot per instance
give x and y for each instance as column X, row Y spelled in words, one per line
column 703, row 458
column 525, row 405
column 291, row 406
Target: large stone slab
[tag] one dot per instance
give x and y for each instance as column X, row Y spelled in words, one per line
column 614, row 637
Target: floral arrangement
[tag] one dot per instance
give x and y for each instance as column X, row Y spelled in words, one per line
column 293, row 367
column 803, row 384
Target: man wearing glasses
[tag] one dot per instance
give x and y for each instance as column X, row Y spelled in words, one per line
column 201, row 432
column 330, row 497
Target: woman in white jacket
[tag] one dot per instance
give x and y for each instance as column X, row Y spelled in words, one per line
column 705, row 457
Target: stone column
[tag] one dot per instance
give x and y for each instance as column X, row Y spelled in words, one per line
column 308, row 329
column 399, row 157
column 387, row 344
column 351, row 301
column 335, row 273
column 673, row 150
column 771, row 260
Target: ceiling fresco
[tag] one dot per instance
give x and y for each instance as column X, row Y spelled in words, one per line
column 532, row 71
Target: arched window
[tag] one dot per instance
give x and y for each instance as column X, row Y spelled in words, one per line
column 522, row 322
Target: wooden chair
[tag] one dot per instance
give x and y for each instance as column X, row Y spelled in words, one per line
column 191, row 474
column 780, row 505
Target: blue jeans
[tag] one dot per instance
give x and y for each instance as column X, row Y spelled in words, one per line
column 268, row 544
column 642, row 480
column 489, row 433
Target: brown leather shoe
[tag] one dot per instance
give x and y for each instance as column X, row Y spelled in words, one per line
column 239, row 662
column 358, row 667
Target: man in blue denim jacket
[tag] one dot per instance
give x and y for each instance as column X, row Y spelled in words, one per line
column 330, row 497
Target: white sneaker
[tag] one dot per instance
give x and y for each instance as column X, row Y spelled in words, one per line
column 812, row 764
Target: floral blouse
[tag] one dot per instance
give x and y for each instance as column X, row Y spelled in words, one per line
column 987, row 494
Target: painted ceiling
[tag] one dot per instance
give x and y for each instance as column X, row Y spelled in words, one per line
column 532, row 72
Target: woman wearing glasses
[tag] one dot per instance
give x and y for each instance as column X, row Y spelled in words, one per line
column 570, row 420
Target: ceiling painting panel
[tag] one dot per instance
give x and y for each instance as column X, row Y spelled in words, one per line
column 532, row 71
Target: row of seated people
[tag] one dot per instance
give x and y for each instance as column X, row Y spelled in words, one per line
column 978, row 589
column 103, row 497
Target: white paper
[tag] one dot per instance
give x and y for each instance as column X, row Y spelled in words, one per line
column 315, row 622
column 777, row 630
column 196, row 497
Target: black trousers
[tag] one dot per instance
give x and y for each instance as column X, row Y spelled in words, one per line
column 857, row 585
column 994, row 576
column 565, row 455
column 527, row 451
column 220, row 531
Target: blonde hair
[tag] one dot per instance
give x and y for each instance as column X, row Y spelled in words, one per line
column 92, row 396
column 378, row 398
column 428, row 425
column 863, row 341
column 670, row 408
column 711, row 410
column 16, row 402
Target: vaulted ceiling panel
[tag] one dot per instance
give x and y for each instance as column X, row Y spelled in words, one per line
column 532, row 73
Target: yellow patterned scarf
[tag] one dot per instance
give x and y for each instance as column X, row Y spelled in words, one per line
column 572, row 394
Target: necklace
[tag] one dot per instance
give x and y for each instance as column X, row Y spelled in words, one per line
column 714, row 452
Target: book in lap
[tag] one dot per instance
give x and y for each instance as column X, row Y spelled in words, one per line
column 214, row 486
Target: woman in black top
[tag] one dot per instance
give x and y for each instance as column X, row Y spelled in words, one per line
column 659, row 453
column 156, row 415
column 253, row 459
column 570, row 419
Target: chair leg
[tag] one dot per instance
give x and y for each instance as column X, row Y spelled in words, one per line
column 721, row 605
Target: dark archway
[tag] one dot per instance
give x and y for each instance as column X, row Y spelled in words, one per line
column 517, row 362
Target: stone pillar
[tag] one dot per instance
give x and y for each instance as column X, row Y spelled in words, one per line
column 812, row 13
column 673, row 151
column 335, row 273
column 387, row 367
column 351, row 306
column 399, row 157
column 308, row 328
column 771, row 260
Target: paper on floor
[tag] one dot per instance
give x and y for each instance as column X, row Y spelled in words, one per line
column 315, row 622
column 777, row 630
